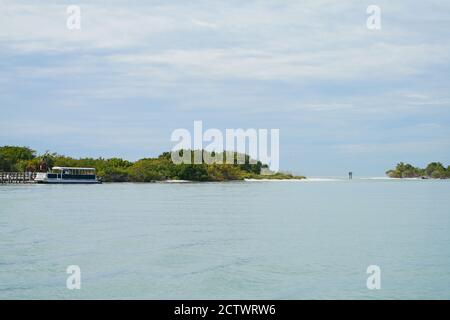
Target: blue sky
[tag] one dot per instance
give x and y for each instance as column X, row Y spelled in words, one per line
column 344, row 97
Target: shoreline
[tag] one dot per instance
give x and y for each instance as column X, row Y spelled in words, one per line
column 181, row 182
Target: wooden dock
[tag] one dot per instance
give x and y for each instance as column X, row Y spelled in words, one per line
column 17, row 177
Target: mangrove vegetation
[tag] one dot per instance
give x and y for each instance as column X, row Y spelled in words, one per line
column 162, row 168
column 434, row 170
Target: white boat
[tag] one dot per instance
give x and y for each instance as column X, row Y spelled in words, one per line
column 65, row 175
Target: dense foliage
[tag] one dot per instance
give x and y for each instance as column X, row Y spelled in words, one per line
column 144, row 170
column 434, row 170
column 11, row 158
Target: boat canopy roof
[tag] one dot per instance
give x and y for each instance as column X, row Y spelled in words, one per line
column 73, row 168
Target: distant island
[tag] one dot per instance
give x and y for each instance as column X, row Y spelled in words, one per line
column 434, row 170
column 24, row 159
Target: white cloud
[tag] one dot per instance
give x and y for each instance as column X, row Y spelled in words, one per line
column 204, row 24
column 376, row 60
column 404, row 147
column 32, row 28
column 415, row 96
column 257, row 40
column 158, row 49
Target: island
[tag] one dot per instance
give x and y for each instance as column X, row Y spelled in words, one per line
column 434, row 170
column 161, row 168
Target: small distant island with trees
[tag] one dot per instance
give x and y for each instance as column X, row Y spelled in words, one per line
column 434, row 170
column 24, row 159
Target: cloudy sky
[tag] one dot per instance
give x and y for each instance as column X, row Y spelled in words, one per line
column 344, row 97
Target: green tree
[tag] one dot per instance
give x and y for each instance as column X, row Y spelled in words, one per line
column 11, row 156
column 192, row 172
column 4, row 165
column 146, row 170
column 435, row 170
column 114, row 174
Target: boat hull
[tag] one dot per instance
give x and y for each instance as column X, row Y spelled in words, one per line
column 67, row 182
column 65, row 178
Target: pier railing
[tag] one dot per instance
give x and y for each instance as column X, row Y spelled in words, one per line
column 17, row 177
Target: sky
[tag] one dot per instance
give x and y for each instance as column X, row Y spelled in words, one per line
column 344, row 97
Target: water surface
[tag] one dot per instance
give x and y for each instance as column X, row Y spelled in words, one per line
column 240, row 240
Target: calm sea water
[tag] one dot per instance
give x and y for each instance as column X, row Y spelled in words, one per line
column 274, row 240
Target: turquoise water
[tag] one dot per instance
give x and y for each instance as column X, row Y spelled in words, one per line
column 259, row 240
